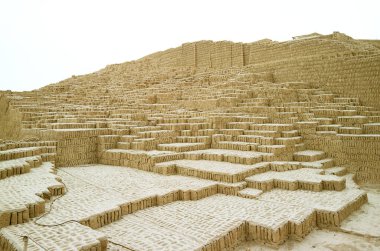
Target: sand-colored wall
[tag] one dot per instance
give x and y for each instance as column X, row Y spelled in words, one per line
column 10, row 120
column 268, row 51
column 359, row 153
column 74, row 147
column 351, row 76
column 204, row 54
column 342, row 65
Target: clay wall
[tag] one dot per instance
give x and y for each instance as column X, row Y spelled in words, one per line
column 354, row 76
column 359, row 153
column 75, row 147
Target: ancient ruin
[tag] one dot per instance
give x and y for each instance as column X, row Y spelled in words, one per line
column 201, row 147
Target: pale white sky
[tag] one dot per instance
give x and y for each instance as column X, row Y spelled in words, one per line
column 45, row 41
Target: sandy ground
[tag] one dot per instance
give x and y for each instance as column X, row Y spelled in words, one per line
column 360, row 231
column 322, row 240
column 367, row 219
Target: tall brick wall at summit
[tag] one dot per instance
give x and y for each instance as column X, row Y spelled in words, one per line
column 268, row 51
column 345, row 66
column 204, row 54
column 357, row 77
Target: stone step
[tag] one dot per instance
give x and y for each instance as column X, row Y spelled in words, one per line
column 250, row 193
column 309, row 156
column 283, row 115
column 60, row 237
column 231, row 188
column 261, row 110
column 262, row 140
column 290, row 120
column 144, row 144
column 123, row 145
column 231, row 132
column 374, row 117
column 256, row 99
column 351, row 121
column 346, row 100
column 17, row 153
column 281, row 166
column 250, row 119
column 211, row 170
column 194, row 139
column 232, row 156
column 239, row 125
column 23, row 144
column 245, row 122
column 264, row 133
column 305, row 178
column 186, row 126
column 23, row 196
column 289, row 134
column 140, row 159
column 332, row 113
column 371, row 128
column 272, row 127
column 291, row 141
column 300, row 147
column 18, row 166
column 181, row 147
column 203, row 132
column 350, row 130
column 249, row 103
column 319, row 164
column 158, row 134
column 235, row 145
column 48, row 157
column 128, row 138
column 324, row 121
column 136, row 129
column 339, row 171
column 70, row 125
column 275, row 149
column 329, row 128
column 323, row 97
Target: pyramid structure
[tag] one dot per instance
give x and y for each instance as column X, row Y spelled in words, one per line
column 199, row 147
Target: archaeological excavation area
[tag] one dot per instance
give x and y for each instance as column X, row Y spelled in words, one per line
column 207, row 146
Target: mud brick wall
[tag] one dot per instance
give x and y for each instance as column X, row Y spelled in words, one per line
column 76, row 146
column 105, row 142
column 204, row 54
column 351, row 76
column 171, row 57
column 355, row 77
column 359, row 153
column 268, row 51
column 346, row 67
column 10, row 119
column 203, row 57
column 188, row 54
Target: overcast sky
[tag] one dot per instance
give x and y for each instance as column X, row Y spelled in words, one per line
column 45, row 41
